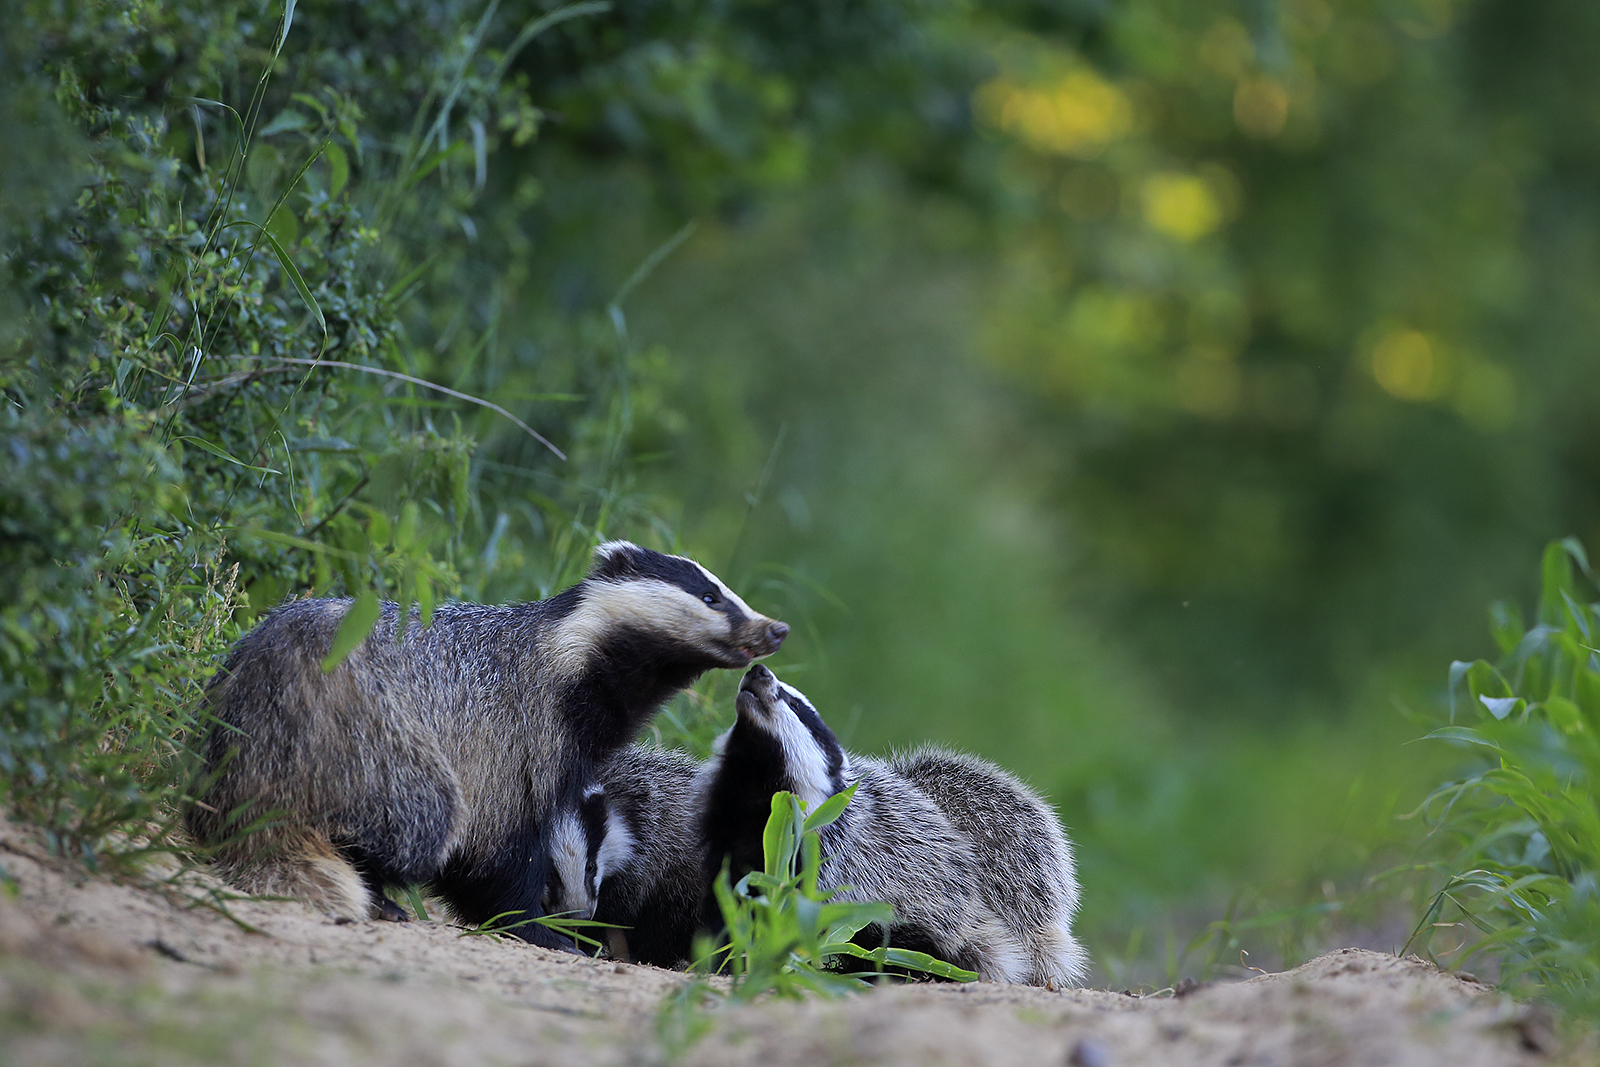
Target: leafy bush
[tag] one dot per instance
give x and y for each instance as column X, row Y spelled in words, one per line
column 1520, row 833
column 210, row 398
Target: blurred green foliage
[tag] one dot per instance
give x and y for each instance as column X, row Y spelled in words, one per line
column 1139, row 392
column 1517, row 839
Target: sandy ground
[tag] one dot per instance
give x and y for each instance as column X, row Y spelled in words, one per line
column 93, row 971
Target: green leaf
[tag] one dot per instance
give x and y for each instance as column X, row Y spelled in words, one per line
column 1555, row 571
column 1563, row 714
column 778, row 838
column 287, row 120
column 921, row 961
column 283, row 34
column 284, row 226
column 293, row 275
column 830, row 810
column 338, row 168
column 206, row 446
column 1500, row 707
column 357, row 625
column 1505, row 624
column 1460, row 733
column 405, row 536
column 378, row 529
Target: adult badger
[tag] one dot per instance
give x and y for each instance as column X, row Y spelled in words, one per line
column 438, row 758
column 976, row 867
column 630, row 854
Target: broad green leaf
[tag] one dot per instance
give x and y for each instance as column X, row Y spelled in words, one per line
column 1500, row 707
column 338, row 168
column 284, row 226
column 357, row 625
column 405, row 535
column 830, row 810
column 378, row 529
column 1555, row 579
column 1505, row 624
column 289, row 119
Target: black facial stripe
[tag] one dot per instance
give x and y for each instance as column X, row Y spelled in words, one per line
column 674, row 570
column 592, row 817
column 824, row 737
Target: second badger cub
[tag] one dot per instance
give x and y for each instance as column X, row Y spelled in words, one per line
column 630, row 854
column 974, row 864
column 439, row 754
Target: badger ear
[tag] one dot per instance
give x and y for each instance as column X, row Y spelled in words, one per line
column 614, row 559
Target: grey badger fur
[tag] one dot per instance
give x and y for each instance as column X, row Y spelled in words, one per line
column 439, row 758
column 1029, row 878
column 973, row 862
column 630, row 854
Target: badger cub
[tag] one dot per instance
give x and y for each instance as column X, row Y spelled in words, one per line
column 974, row 864
column 439, row 755
column 630, row 854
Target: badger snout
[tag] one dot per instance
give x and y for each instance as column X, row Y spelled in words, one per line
column 757, row 692
column 766, row 636
column 759, row 681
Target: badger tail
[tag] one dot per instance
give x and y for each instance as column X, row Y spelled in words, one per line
column 302, row 864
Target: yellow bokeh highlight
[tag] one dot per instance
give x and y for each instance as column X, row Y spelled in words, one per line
column 1260, row 107
column 1076, row 115
column 1181, row 205
column 1407, row 365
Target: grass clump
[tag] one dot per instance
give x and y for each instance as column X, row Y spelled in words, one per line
column 1518, row 835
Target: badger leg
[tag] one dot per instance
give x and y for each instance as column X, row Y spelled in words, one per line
column 1059, row 960
column 998, row 954
column 505, row 882
column 303, row 865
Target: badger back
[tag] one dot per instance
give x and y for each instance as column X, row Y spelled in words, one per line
column 1016, row 833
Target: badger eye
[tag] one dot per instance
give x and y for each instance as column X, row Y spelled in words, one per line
column 709, row 598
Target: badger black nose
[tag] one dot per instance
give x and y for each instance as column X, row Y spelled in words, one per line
column 757, row 675
column 776, row 632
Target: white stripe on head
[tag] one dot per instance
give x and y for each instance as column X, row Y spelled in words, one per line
column 616, row 849
column 803, row 758
column 569, row 855
column 647, row 605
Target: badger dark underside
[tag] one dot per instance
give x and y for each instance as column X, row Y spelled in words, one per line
column 660, row 931
column 629, row 677
column 739, row 803
column 659, row 893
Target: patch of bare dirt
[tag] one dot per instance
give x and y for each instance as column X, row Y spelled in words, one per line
column 92, row 971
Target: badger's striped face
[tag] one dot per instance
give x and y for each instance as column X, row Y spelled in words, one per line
column 813, row 761
column 670, row 601
column 578, row 840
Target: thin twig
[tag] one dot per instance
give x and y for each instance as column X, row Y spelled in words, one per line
column 436, row 387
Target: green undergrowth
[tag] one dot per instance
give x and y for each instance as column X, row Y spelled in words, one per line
column 785, row 937
column 231, row 298
column 1515, row 838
